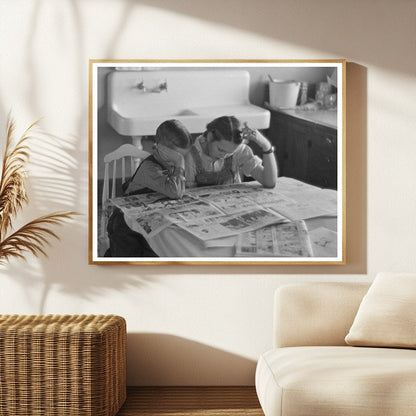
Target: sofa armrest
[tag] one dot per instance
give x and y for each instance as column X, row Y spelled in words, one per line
column 315, row 313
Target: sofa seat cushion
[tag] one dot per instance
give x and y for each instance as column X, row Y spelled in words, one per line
column 341, row 381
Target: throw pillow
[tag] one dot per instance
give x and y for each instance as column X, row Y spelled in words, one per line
column 386, row 316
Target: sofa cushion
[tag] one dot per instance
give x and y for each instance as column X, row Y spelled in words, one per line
column 318, row 313
column 304, row 381
column 387, row 314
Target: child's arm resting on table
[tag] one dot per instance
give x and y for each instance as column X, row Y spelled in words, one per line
column 150, row 174
column 168, row 181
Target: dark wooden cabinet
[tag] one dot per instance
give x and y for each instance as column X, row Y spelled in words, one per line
column 305, row 150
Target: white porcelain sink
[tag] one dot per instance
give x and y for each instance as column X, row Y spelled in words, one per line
column 137, row 105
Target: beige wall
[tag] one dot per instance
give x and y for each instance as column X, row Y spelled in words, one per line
column 190, row 324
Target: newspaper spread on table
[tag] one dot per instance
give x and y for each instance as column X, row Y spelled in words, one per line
column 289, row 239
column 324, row 242
column 217, row 211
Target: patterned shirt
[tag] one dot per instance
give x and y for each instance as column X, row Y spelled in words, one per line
column 244, row 162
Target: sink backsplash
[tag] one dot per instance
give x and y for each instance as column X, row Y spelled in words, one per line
column 138, row 100
column 191, row 88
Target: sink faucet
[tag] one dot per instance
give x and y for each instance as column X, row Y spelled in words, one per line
column 163, row 86
column 141, row 86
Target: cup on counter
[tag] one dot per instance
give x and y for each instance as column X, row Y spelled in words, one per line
column 303, row 93
column 330, row 101
column 319, row 97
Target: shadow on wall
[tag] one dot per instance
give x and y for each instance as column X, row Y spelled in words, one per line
column 161, row 359
column 320, row 25
column 69, row 190
column 53, row 187
column 55, row 180
column 356, row 169
column 58, row 180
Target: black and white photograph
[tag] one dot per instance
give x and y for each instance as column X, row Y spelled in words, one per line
column 216, row 162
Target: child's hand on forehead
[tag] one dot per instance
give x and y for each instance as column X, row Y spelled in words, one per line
column 248, row 133
column 255, row 136
column 170, row 156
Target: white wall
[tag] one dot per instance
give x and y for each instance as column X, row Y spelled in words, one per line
column 204, row 324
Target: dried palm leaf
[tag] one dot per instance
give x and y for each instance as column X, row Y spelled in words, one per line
column 35, row 235
column 32, row 237
column 12, row 183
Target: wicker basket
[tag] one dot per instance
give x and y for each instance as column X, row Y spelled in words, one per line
column 71, row 365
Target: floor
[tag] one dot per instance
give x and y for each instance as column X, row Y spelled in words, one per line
column 191, row 401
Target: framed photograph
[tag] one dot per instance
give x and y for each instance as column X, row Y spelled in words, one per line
column 217, row 162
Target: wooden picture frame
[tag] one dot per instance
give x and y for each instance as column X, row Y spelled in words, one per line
column 297, row 105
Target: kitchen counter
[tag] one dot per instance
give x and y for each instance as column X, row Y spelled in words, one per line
column 326, row 118
column 306, row 145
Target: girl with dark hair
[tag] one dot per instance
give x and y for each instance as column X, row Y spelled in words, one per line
column 221, row 156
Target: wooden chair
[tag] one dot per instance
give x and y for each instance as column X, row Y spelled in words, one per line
column 130, row 157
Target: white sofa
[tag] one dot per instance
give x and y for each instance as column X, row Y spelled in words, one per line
column 311, row 371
